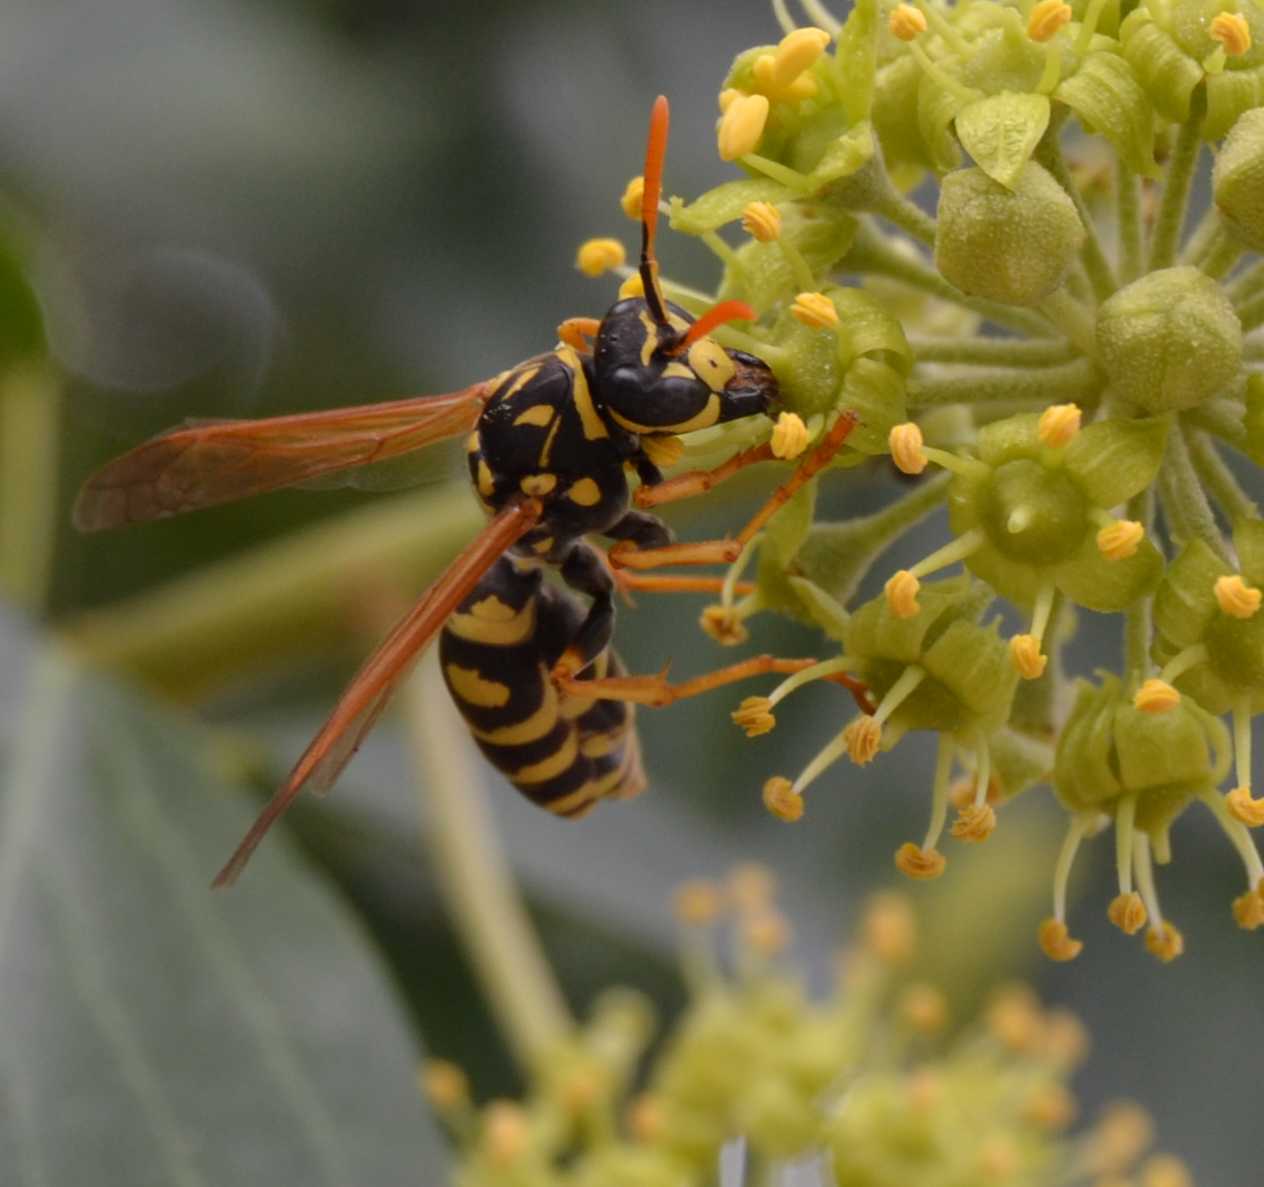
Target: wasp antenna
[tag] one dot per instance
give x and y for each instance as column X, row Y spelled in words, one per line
column 655, row 151
column 717, row 315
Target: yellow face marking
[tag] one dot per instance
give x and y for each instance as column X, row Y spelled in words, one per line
column 543, row 547
column 554, row 765
column 538, row 415
column 585, row 492
column 529, row 729
column 470, row 686
column 538, row 484
column 709, row 415
column 486, row 483
column 482, row 624
column 676, row 370
column 594, row 427
column 711, row 363
column 650, row 345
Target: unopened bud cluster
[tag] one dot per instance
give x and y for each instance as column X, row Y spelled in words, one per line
column 864, row 1079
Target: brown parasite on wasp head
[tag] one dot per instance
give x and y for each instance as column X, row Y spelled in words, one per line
column 550, row 445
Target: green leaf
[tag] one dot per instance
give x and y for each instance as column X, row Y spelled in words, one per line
column 1002, row 131
column 156, row 1032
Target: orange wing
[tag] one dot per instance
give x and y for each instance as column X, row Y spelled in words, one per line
column 367, row 694
column 214, row 463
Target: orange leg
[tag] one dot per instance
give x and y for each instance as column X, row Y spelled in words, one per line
column 656, row 692
column 577, row 331
column 661, row 583
column 698, row 482
column 625, row 554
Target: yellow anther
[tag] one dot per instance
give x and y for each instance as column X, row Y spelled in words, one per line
column 789, row 436
column 781, row 799
column 662, row 449
column 999, row 1159
column 767, row 932
column 762, row 221
column 1056, row 941
column 975, row 822
column 755, row 716
column 742, row 126
column 901, row 592
column 925, row 1089
column 506, row 1134
column 633, row 198
column 1232, row 31
column 752, row 886
column 815, row 310
column 1026, row 656
column 916, row 862
column 907, row 448
column 1120, row 1137
column 697, row 902
column 645, row 1117
column 888, row 928
column 1066, row 1040
column 1051, row 1107
column 724, row 625
column 1165, row 1170
column 863, row 737
column 1119, row 540
column 727, row 96
column 1014, row 1018
column 1248, row 909
column 1242, row 806
column 634, row 286
column 580, row 1089
column 1166, row 943
column 1156, row 696
column 1128, row 913
column 923, row 1008
column 445, row 1085
column 907, row 22
column 1047, row 17
column 1059, row 423
column 797, row 52
column 961, row 794
column 1236, row 598
column 597, row 256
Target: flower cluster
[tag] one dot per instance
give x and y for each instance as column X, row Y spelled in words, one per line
column 863, row 1080
column 1060, row 356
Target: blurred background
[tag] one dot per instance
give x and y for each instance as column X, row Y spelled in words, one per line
column 221, row 209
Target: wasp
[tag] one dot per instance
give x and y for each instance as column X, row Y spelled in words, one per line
column 550, row 446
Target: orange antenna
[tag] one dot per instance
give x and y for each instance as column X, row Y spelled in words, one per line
column 655, row 151
column 717, row 315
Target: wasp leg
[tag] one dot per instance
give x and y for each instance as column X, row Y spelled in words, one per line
column 698, row 482
column 641, row 530
column 584, row 569
column 629, row 579
column 724, row 552
column 656, row 692
column 576, row 332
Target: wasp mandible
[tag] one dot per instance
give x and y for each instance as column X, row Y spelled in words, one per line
column 549, row 448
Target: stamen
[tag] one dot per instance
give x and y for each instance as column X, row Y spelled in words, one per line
column 1055, row 939
column 1127, row 912
column 1024, row 650
column 907, row 448
column 766, row 932
column 1239, row 801
column 901, row 593
column 506, row 1133
column 1120, row 539
column 863, row 736
column 1156, row 696
column 1047, row 17
column 920, row 864
column 634, row 286
column 907, row 22
column 782, row 800
column 923, row 1008
column 1236, row 598
column 1162, row 939
column 633, row 198
column 1238, row 837
column 815, row 310
column 1182, row 661
column 755, row 716
column 742, row 126
column 1056, row 942
column 752, row 886
column 888, row 928
column 797, row 52
column 1059, row 423
column 724, row 624
column 789, row 436
column 1232, row 31
column 977, row 820
column 925, row 861
column 697, row 902
column 445, row 1086
column 762, row 221
column 597, row 256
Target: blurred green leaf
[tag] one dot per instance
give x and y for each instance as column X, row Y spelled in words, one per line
column 156, row 1033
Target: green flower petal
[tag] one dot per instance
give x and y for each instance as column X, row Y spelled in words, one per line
column 1105, row 94
column 1108, row 586
column 1115, row 459
column 1002, row 131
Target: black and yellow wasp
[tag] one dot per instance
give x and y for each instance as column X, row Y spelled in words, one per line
column 550, row 445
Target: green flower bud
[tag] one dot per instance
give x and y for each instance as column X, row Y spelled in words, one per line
column 1011, row 245
column 1170, row 340
column 1238, row 180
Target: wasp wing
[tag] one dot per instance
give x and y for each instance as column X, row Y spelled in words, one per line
column 366, row 696
column 210, row 463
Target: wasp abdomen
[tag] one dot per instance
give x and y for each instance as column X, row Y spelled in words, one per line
column 561, row 751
